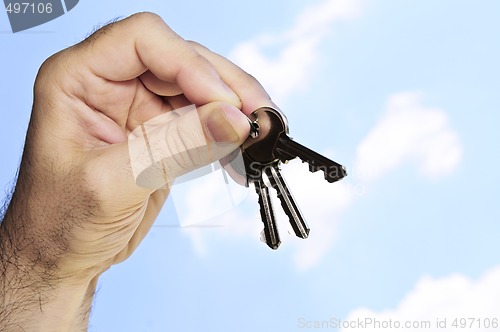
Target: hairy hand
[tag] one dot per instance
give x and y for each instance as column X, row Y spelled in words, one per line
column 77, row 208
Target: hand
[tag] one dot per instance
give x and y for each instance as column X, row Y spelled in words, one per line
column 77, row 208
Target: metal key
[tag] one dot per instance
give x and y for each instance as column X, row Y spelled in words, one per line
column 263, row 152
column 255, row 172
column 270, row 233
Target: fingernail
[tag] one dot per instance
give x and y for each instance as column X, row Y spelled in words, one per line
column 228, row 124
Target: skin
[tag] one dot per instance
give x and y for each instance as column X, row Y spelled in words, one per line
column 76, row 209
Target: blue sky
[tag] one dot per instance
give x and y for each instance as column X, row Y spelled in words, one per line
column 404, row 93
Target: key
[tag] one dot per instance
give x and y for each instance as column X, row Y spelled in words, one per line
column 255, row 171
column 255, row 176
column 287, row 149
column 268, row 147
column 288, row 204
column 270, row 233
column 276, row 144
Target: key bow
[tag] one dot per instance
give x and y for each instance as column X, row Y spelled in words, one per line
column 271, row 125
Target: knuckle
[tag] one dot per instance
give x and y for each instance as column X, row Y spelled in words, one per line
column 47, row 72
column 149, row 20
column 146, row 17
column 197, row 46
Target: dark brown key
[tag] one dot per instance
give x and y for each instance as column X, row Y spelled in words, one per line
column 263, row 153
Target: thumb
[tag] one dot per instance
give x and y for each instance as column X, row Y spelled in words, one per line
column 183, row 140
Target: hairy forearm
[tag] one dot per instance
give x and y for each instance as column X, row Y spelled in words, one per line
column 34, row 295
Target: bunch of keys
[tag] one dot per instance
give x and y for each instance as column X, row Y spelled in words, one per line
column 263, row 152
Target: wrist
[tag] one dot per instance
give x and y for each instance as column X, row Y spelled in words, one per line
column 35, row 298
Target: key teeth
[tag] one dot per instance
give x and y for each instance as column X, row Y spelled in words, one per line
column 331, row 179
column 327, row 172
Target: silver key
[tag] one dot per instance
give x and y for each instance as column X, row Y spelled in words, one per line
column 287, row 202
column 270, row 233
column 269, row 146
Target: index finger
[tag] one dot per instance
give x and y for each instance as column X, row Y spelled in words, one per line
column 126, row 49
column 251, row 93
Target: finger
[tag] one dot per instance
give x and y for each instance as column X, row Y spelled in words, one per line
column 249, row 90
column 128, row 48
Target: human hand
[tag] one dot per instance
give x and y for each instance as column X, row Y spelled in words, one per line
column 77, row 208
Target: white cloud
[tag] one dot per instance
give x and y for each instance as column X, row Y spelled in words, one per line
column 290, row 69
column 409, row 132
column 455, row 296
